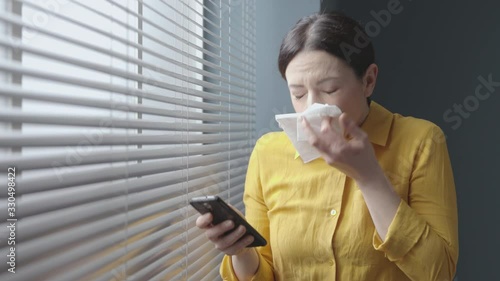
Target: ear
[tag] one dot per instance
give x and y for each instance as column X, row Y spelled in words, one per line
column 370, row 79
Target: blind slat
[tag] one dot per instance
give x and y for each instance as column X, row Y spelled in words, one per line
column 39, row 140
column 17, row 92
column 61, row 199
column 107, row 122
column 100, row 157
column 17, row 68
column 63, row 178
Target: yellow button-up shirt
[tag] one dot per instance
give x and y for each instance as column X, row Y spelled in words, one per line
column 318, row 226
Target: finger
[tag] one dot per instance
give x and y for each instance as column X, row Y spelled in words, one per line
column 215, row 232
column 313, row 137
column 355, row 136
column 228, row 240
column 350, row 128
column 322, row 144
column 326, row 124
column 240, row 245
column 204, row 221
column 329, row 137
column 344, row 122
column 307, row 126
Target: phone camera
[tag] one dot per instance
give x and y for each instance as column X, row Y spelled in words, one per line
column 206, row 205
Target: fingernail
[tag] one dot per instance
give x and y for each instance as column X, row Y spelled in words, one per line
column 228, row 223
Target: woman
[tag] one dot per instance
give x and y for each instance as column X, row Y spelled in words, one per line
column 379, row 205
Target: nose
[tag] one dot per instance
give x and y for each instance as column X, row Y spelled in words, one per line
column 314, row 97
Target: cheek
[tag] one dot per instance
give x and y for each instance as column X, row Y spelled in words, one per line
column 348, row 102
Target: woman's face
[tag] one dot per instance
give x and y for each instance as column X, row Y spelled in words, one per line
column 318, row 77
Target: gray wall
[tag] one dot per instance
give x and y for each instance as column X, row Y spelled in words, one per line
column 274, row 19
column 430, row 56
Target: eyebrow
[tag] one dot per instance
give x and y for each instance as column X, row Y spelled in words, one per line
column 319, row 82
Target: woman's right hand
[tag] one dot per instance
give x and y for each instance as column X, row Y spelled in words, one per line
column 229, row 243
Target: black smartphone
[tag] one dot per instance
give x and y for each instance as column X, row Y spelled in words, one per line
column 221, row 212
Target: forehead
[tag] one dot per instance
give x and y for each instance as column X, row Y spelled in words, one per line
column 313, row 65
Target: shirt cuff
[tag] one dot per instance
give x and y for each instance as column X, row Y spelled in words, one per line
column 264, row 272
column 404, row 232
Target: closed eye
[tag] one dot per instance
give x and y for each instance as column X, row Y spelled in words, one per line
column 298, row 94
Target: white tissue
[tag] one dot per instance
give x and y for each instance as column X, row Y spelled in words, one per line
column 291, row 124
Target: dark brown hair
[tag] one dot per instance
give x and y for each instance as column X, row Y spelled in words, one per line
column 335, row 33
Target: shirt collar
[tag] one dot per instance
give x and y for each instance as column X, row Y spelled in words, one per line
column 377, row 125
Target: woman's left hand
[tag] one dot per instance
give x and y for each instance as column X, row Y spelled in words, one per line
column 349, row 150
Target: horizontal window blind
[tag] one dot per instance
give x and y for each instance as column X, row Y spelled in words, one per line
column 114, row 114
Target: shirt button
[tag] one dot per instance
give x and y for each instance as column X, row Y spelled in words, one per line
column 333, row 212
column 331, row 262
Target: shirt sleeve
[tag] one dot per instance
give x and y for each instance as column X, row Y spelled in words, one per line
column 256, row 215
column 422, row 239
